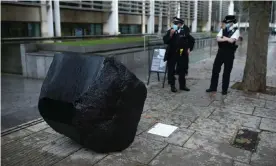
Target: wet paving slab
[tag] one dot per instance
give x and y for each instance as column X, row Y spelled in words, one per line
column 19, row 99
column 206, row 127
column 217, row 145
column 178, row 156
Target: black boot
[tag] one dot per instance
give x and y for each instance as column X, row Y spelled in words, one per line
column 173, row 88
column 210, row 90
column 224, row 92
column 184, row 88
column 182, row 83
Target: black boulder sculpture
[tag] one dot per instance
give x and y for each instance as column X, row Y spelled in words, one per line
column 95, row 101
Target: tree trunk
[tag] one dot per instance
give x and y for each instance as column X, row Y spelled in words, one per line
column 254, row 78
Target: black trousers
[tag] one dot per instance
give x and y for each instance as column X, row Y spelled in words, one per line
column 177, row 65
column 226, row 58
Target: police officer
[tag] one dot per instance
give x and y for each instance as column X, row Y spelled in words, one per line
column 180, row 44
column 226, row 39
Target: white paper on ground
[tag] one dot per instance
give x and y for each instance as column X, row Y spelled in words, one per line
column 162, row 129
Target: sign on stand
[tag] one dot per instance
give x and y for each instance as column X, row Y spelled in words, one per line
column 157, row 64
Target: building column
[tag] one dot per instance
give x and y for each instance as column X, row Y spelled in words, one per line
column 144, row 18
column 79, row 3
column 189, row 15
column 50, row 19
column 208, row 25
column 178, row 9
column 231, row 8
column 169, row 16
column 57, row 18
column 274, row 7
column 271, row 13
column 111, row 27
column 46, row 15
column 43, row 18
column 194, row 24
column 220, row 11
column 151, row 19
column 160, row 19
column 218, row 26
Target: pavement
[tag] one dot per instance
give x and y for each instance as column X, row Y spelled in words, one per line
column 207, row 125
column 19, row 100
column 20, row 95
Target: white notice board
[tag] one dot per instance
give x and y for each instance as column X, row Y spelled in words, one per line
column 157, row 64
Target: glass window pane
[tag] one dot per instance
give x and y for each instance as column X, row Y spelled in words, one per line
column 20, row 29
column 66, row 29
column 78, row 32
column 132, row 29
column 155, row 28
column 37, row 30
column 92, row 29
column 30, row 27
column 98, row 4
column 124, row 29
column 33, row 29
column 98, row 29
column 15, row 29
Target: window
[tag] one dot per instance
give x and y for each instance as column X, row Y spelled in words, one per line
column 164, row 28
column 33, row 29
column 87, row 4
column 156, row 28
column 79, row 29
column 130, row 29
column 65, row 30
column 69, row 4
column 135, row 29
column 98, row 29
column 124, row 6
column 123, row 29
column 30, row 1
column 92, row 27
column 98, row 4
column 12, row 29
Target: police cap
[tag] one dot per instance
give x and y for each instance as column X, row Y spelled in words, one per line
column 230, row 19
column 178, row 20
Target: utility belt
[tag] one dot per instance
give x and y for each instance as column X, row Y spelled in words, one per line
column 180, row 51
column 172, row 51
column 229, row 47
column 226, row 53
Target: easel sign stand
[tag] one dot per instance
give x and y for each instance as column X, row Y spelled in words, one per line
column 157, row 65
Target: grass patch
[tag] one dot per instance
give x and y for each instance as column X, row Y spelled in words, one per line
column 93, row 42
column 214, row 34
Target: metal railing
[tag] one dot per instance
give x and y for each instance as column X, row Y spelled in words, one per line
column 157, row 40
column 207, row 45
column 62, row 38
column 21, row 40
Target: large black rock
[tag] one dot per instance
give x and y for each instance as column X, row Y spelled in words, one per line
column 93, row 100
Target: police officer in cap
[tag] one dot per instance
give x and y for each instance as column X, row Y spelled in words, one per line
column 180, row 44
column 226, row 39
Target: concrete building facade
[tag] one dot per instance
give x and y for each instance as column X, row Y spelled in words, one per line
column 48, row 18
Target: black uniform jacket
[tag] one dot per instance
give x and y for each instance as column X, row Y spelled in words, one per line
column 182, row 40
column 226, row 46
